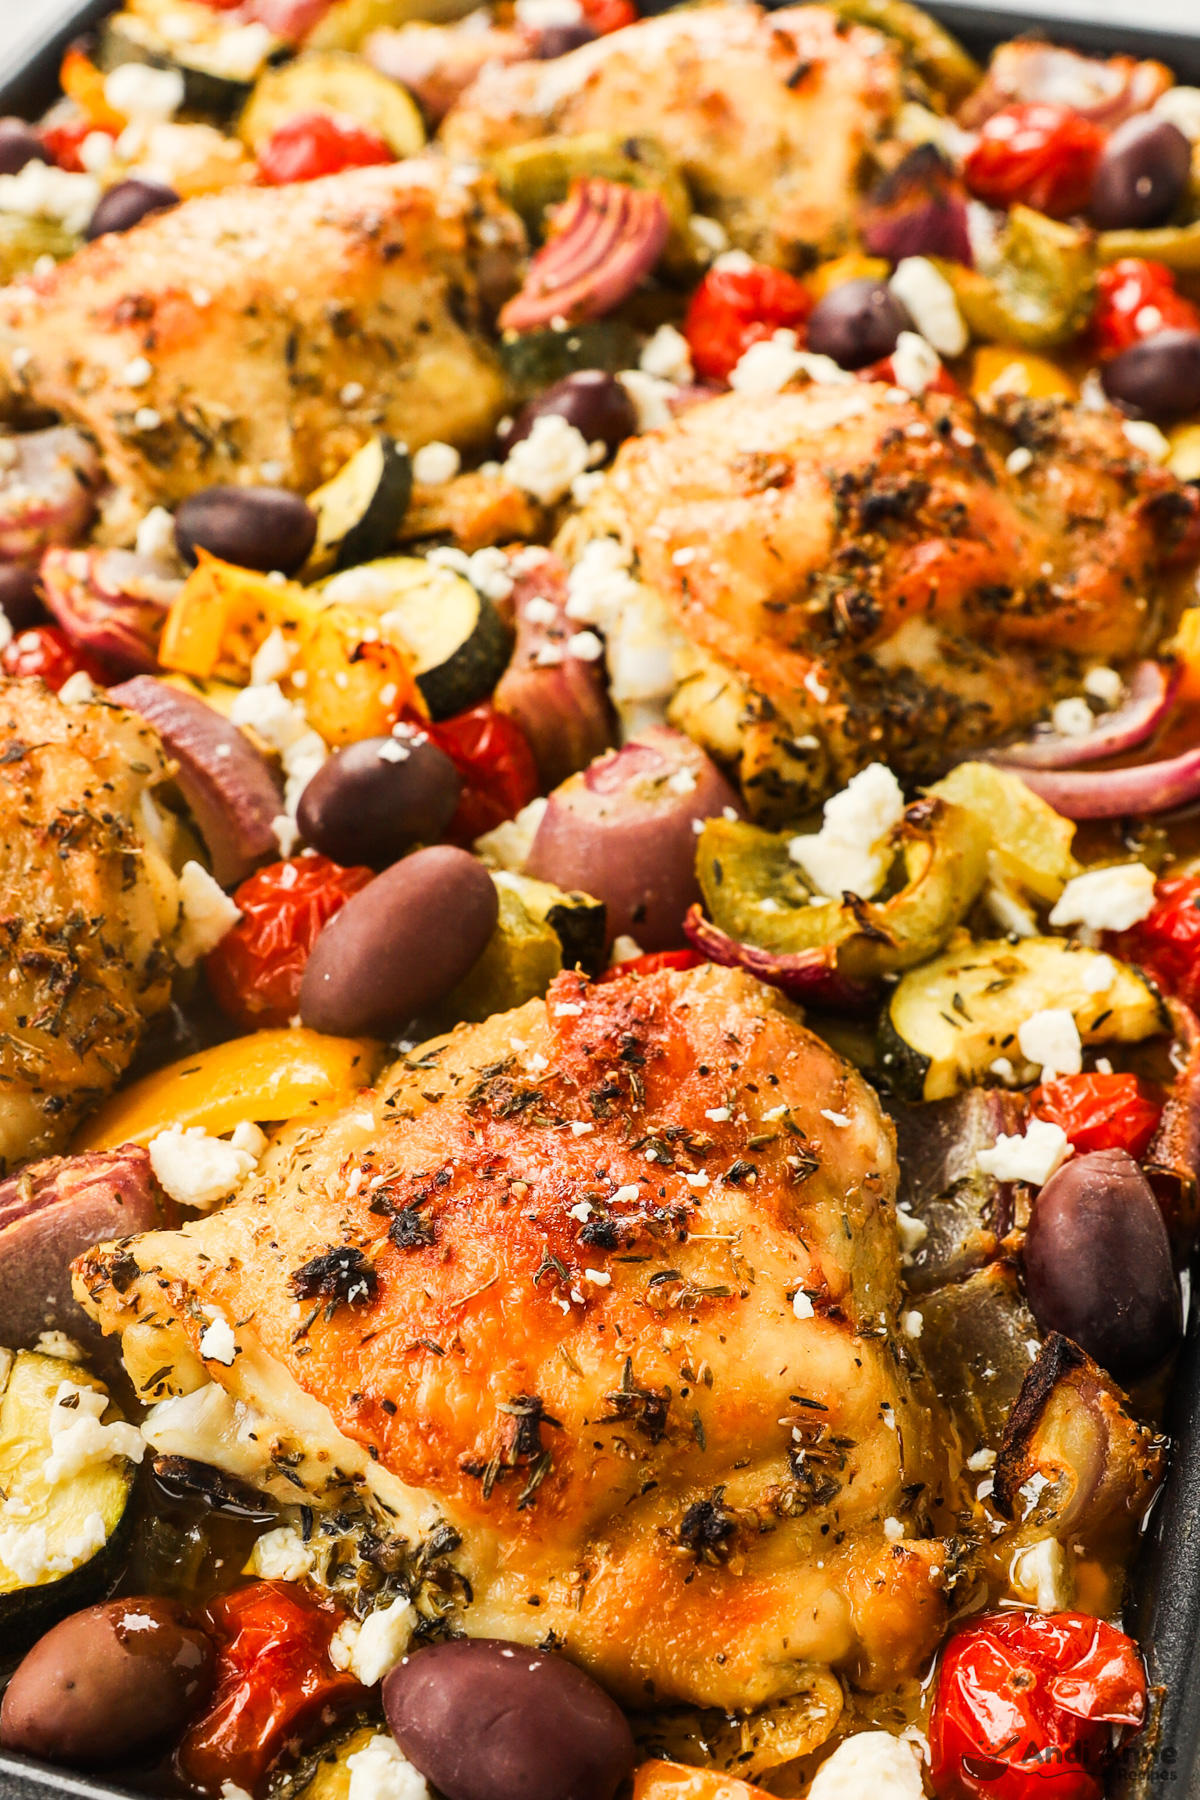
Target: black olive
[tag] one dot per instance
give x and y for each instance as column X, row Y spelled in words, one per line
column 1158, row 377
column 857, row 323
column 559, row 40
column 21, row 599
column 128, row 203
column 19, row 144
column 593, row 401
column 254, row 527
column 1140, row 176
column 371, row 802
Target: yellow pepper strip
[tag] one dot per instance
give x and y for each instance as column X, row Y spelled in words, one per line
column 264, row 1076
column 1184, row 460
column 1186, row 646
column 999, row 369
column 678, row 1781
column 853, row 267
column 83, row 82
column 221, row 616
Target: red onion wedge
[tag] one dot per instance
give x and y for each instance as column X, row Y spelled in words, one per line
column 1152, row 688
column 810, row 976
column 919, row 209
column 1113, row 793
column 554, row 687
column 1172, row 1161
column 230, row 788
column 605, row 238
column 113, row 603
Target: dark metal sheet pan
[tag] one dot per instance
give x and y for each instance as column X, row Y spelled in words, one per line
column 1165, row 1610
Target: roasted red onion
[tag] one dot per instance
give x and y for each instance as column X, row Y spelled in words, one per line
column 112, row 603
column 1152, row 687
column 554, row 687
column 1172, row 1161
column 919, row 209
column 1113, row 793
column 806, row 975
column 48, row 481
column 230, row 788
column 605, row 238
column 1105, row 91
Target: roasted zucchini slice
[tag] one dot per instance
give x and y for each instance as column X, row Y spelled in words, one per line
column 576, row 919
column 347, row 23
column 23, row 240
column 360, row 509
column 534, row 360
column 947, row 1022
column 61, row 1541
column 217, row 78
column 1031, row 843
column 333, row 81
column 521, row 960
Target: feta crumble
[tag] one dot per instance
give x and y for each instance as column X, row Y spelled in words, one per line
column 156, row 533
column 196, row 1169
column 217, row 1342
column 650, row 395
column 1073, row 717
column 57, row 1343
column 1032, row 1158
column 915, row 362
column 380, row 1641
column 802, row 1305
column 852, row 850
column 668, row 356
column 282, row 1555
column 1103, row 684
column 871, row 1762
column 207, row 913
column 435, row 464
column 912, row 1323
column 507, row 846
column 1109, row 899
column 78, row 689
column 718, row 1114
column 1181, row 107
column 40, row 191
column 931, row 304
column 1042, row 1575
column 1148, row 439
column 546, row 462
column 380, row 1770
column 142, row 92
column 1051, row 1038
column 1018, row 460
column 893, row 1530
column 768, row 366
column 913, row 1232
column 78, row 1439
column 488, row 570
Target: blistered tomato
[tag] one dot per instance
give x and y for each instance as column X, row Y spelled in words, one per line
column 1037, row 153
column 492, row 755
column 609, row 15
column 1134, row 299
column 1167, row 940
column 734, row 308
column 318, row 143
column 46, row 650
column 1101, row 1112
column 653, row 962
column 256, row 969
column 62, row 142
column 1025, row 1706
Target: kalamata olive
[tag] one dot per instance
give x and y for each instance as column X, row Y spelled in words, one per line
column 372, row 801
column 19, row 144
column 558, row 40
column 255, row 527
column 1142, row 171
column 1157, row 378
column 127, row 203
column 538, row 1726
column 857, row 322
column 1098, row 1264
column 400, row 945
column 590, row 399
column 21, row 596
column 107, row 1683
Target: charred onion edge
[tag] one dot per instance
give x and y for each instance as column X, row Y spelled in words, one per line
column 807, row 975
column 606, row 236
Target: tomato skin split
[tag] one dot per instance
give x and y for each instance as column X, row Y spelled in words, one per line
column 256, row 969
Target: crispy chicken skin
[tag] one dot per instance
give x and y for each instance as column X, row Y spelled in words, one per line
column 241, row 319
column 83, row 907
column 589, row 1365
column 862, row 572
column 771, row 116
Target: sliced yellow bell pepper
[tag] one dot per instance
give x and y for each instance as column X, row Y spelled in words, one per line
column 677, row 1781
column 83, row 83
column 265, row 1076
column 998, row 369
column 223, row 614
column 856, row 266
column 356, row 679
column 1184, row 460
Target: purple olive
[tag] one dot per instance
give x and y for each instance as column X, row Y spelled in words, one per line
column 487, row 1720
column 107, row 1683
column 591, row 400
column 371, row 802
column 1157, row 378
column 253, row 527
column 21, row 598
column 559, row 40
column 1142, row 171
column 1098, row 1264
column 857, row 323
column 128, row 203
column 19, row 144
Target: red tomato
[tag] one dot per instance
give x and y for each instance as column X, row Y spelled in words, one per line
column 274, row 1682
column 734, row 308
column 492, row 754
column 1167, row 940
column 1101, row 1112
column 63, row 141
column 609, row 15
column 1038, row 153
column 46, row 650
column 1134, row 299
column 318, row 143
column 256, row 969
column 1024, row 1706
column 653, row 962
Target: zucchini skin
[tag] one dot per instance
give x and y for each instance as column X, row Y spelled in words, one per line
column 361, row 509
column 471, row 673
column 28, row 1613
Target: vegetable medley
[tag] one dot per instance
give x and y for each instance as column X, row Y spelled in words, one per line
column 599, row 738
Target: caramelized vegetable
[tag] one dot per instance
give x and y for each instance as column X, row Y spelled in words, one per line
column 224, row 614
column 675, row 1781
column 1039, row 294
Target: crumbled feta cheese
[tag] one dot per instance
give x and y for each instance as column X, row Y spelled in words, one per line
column 57, row 1343
column 41, row 191
column 383, row 1638
column 487, row 570
column 507, row 846
column 435, row 464
column 1010, row 913
column 802, row 1305
column 540, row 15
column 156, row 533
column 26, row 1552
column 282, row 1555
column 217, row 1342
column 768, row 366
column 539, row 611
column 835, row 1118
column 137, row 371
column 913, row 1232
column 1018, row 460
column 585, row 646
column 893, row 1530
column 696, row 1179
column 624, row 949
column 78, row 689
column 852, row 850
column 718, row 1114
column 1103, row 684
column 1051, row 1037
column 981, row 1460
column 248, row 1137
column 78, row 1439
column 1147, row 439
column 709, row 235
column 198, row 1170
column 870, row 1762
column 380, row 1770
column 207, row 914
column 734, row 262
column 1032, row 1158
column 625, row 1195
column 546, row 462
column 286, row 833
column 231, row 1791
column 1072, row 717
column 142, row 92
column 1110, row 899
column 915, row 362
column 931, row 304
column 1099, row 975
column 912, row 1323
column 1002, row 1068
column 1181, row 107
column 650, row 396
column 668, row 355
column 273, row 658
column 1042, row 1575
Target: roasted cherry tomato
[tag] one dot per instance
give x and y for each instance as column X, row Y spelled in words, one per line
column 651, row 964
column 1167, row 940
column 318, row 143
column 609, row 15
column 256, row 969
column 1134, row 299
column 274, row 1683
column 62, row 141
column 1037, row 153
column 1025, row 1704
column 492, row 754
column 942, row 383
column 1101, row 1112
column 734, row 308
column 46, row 650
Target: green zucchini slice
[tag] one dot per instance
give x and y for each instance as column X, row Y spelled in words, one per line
column 534, row 360
column 948, row 1021
column 360, row 509
column 333, row 81
column 521, row 960
column 62, row 1515
column 210, row 89
column 576, row 919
